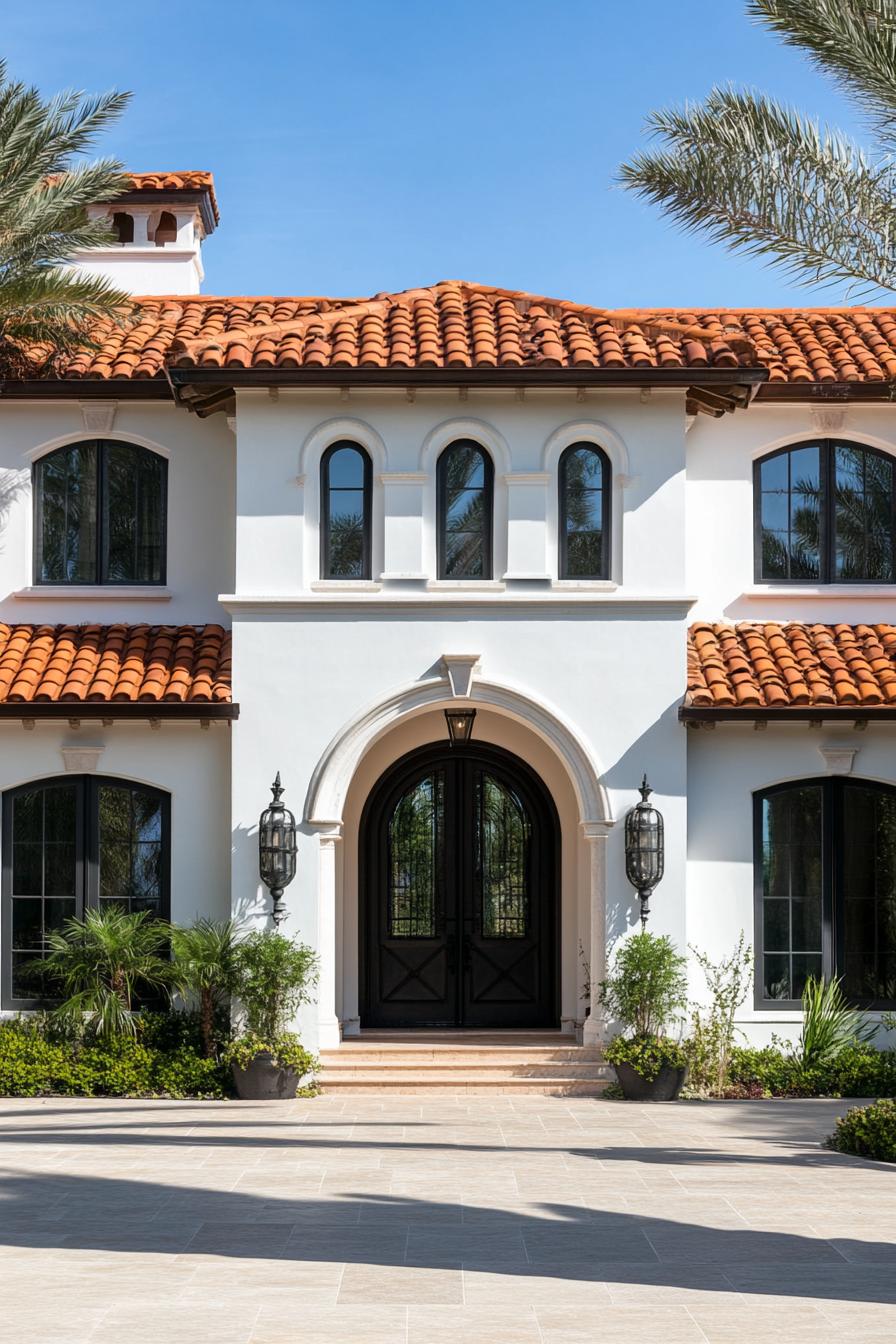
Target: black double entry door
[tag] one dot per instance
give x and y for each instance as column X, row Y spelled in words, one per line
column 459, row 893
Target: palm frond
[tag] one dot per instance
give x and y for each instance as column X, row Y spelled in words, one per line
column 760, row 178
column 853, row 41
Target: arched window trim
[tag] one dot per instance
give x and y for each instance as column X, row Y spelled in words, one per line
column 827, row 548
column 101, row 555
column 606, row 511
column 367, row 486
column 488, row 492
column 833, row 933
column 86, row 896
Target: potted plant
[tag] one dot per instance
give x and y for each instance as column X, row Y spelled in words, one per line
column 645, row 990
column 273, row 976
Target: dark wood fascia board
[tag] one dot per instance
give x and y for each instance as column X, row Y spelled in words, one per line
column 827, row 392
column 787, row 714
column 82, row 389
column 124, row 710
column 523, row 376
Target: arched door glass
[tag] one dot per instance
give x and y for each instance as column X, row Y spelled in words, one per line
column 502, row 849
column 416, row 842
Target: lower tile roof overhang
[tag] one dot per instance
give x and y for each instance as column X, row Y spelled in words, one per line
column 125, row 710
column 697, row 714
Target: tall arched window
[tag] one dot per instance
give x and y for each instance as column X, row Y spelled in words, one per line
column 345, row 495
column 69, row 844
column 825, row 865
column 826, row 513
column 584, row 481
column 100, row 514
column 464, row 489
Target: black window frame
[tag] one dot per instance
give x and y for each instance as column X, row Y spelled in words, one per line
column 832, row 789
column 367, row 488
column 605, row 516
column 101, row 554
column 827, row 531
column 488, row 494
column 87, row 835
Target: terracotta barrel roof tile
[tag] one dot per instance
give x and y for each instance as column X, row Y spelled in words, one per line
column 114, row 663
column 459, row 325
column 779, row 665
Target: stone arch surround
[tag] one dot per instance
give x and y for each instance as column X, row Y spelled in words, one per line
column 412, row 716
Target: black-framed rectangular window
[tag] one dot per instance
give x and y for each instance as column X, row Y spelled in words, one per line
column 72, row 843
column 100, row 511
column 825, row 875
column 825, row 512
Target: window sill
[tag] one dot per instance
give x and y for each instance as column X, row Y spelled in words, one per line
column 345, row 586
column 70, row 592
column 845, row 592
column 465, row 586
column 584, row 585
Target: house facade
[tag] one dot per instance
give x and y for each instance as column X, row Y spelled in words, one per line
column 251, row 535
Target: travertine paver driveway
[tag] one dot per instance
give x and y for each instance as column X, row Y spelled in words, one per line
column 422, row 1221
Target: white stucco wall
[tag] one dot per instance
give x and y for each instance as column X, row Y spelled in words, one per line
column 201, row 455
column 190, row 763
column 720, row 562
column 725, row 768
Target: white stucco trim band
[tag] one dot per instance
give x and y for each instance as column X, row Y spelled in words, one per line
column 261, row 603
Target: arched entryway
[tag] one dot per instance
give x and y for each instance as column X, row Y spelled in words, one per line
column 459, row 892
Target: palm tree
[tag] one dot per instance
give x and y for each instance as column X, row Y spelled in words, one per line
column 762, row 178
column 45, row 189
column 101, row 962
column 204, row 963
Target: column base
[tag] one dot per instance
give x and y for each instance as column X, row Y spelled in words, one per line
column 592, row 1031
column 329, row 1036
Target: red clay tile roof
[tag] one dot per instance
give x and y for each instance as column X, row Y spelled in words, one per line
column 774, row 666
column 190, row 180
column 466, row 326
column 88, row 663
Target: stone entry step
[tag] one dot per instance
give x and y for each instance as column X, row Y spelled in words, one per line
column 545, row 1063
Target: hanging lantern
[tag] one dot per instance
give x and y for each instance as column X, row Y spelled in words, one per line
column 460, row 725
column 277, row 849
column 644, row 848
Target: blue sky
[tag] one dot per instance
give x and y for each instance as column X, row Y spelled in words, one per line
column 365, row 145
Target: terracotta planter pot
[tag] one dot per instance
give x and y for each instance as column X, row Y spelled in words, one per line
column 264, row 1080
column 664, row 1087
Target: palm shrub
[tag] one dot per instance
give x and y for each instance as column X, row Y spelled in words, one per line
column 46, row 185
column 830, row 1025
column 204, row 964
column 762, row 178
column 645, row 991
column 102, row 961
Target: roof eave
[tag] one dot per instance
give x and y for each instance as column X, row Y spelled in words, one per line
column 696, row 714
column 179, row 711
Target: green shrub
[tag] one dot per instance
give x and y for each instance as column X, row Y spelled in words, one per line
column 830, row 1025
column 646, row 1054
column 867, row 1131
column 859, row 1070
column 710, row 1039
column 164, row 1058
column 273, row 977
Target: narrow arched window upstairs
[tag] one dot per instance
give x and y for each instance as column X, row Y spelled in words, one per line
column 584, row 533
column 464, row 498
column 345, row 530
